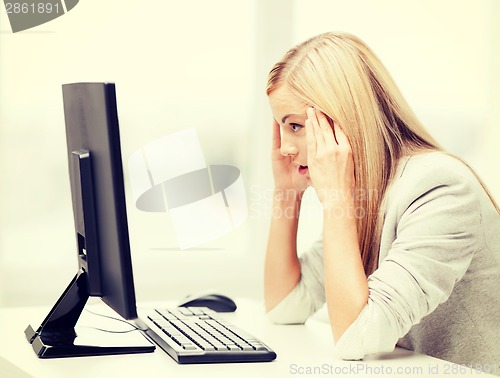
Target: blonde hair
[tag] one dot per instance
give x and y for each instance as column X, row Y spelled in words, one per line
column 340, row 75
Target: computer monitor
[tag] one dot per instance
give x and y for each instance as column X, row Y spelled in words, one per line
column 99, row 210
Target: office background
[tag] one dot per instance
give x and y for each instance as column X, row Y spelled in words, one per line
column 203, row 64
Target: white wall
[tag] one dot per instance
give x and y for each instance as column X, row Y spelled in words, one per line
column 204, row 64
column 176, row 65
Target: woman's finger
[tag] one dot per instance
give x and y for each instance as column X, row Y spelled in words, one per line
column 326, row 128
column 341, row 137
column 276, row 136
column 318, row 135
column 311, row 140
column 332, row 125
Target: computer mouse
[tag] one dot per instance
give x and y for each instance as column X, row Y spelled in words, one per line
column 213, row 301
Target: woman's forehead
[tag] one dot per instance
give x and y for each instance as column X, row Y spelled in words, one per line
column 284, row 102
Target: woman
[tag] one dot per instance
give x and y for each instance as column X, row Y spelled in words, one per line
column 410, row 249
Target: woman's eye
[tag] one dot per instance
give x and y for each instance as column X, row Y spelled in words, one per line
column 295, row 127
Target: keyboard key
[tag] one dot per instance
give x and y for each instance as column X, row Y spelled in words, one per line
column 189, row 346
column 197, row 311
column 166, row 314
column 258, row 346
column 185, row 311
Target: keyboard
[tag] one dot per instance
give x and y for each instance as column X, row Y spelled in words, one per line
column 193, row 335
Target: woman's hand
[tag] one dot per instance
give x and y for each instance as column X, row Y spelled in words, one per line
column 287, row 181
column 329, row 157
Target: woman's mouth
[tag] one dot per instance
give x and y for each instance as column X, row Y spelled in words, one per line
column 303, row 170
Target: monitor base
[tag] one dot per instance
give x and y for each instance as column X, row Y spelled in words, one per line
column 55, row 337
column 53, row 349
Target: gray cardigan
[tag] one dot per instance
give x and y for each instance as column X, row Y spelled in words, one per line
column 437, row 286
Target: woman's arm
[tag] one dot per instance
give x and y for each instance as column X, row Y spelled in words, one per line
column 332, row 173
column 282, row 267
column 346, row 286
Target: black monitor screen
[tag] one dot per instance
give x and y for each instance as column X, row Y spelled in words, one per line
column 92, row 125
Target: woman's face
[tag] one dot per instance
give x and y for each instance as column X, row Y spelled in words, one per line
column 290, row 113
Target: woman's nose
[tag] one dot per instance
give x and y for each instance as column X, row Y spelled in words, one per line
column 287, row 148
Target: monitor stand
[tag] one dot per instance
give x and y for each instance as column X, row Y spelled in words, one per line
column 55, row 337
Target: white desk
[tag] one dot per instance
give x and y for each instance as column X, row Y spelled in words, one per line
column 303, row 351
